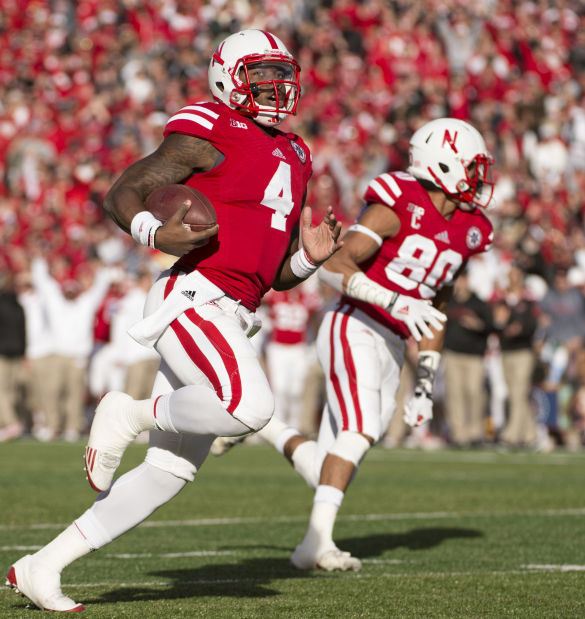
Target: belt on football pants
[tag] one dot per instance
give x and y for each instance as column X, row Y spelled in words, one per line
column 249, row 322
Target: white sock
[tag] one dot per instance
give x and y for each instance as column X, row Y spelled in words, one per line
column 326, row 504
column 142, row 415
column 277, row 433
column 303, row 459
column 64, row 549
column 131, row 499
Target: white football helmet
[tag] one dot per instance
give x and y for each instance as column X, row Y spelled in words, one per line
column 452, row 155
column 229, row 75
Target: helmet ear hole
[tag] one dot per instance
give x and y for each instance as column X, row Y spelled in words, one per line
column 444, row 168
column 220, row 86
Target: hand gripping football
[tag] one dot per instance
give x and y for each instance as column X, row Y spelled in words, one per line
column 164, row 202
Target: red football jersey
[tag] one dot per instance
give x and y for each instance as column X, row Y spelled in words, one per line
column 290, row 312
column 257, row 192
column 428, row 249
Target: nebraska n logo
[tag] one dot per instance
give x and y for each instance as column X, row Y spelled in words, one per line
column 450, row 140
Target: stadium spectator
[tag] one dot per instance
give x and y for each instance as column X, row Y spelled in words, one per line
column 548, row 156
column 139, row 363
column 460, row 29
column 71, row 309
column 39, row 376
column 560, row 338
column 469, row 323
column 12, row 349
column 562, row 323
column 576, row 432
column 515, row 320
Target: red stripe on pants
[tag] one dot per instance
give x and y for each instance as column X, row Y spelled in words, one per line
column 226, row 353
column 333, row 376
column 351, row 372
column 199, row 359
column 197, row 356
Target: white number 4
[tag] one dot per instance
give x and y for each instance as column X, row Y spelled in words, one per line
column 278, row 196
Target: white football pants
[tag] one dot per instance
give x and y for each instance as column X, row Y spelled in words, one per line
column 207, row 347
column 204, row 352
column 361, row 360
column 287, row 366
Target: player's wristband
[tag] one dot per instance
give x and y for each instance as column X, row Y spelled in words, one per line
column 426, row 368
column 143, row 228
column 301, row 264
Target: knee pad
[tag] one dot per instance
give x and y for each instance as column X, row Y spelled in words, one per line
column 171, row 463
column 350, row 446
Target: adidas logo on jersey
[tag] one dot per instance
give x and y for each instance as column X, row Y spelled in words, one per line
column 190, row 294
column 443, row 236
column 238, row 124
column 278, row 153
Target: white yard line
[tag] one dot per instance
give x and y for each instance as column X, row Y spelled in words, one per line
column 143, row 555
column 555, row 568
column 180, row 555
column 176, row 555
column 574, row 511
column 525, row 569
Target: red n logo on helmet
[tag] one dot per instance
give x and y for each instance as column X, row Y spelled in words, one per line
column 450, row 140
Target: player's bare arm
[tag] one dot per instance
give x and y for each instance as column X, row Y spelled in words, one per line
column 319, row 243
column 375, row 222
column 178, row 157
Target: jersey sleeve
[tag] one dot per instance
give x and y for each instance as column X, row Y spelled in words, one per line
column 201, row 120
column 383, row 189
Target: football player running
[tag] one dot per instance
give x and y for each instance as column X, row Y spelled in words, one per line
column 411, row 240
column 199, row 314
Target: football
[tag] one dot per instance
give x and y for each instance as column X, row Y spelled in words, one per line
column 164, row 202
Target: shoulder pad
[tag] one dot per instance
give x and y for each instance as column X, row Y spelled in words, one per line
column 384, row 189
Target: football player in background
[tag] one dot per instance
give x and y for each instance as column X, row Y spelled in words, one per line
column 411, row 240
column 200, row 313
column 289, row 350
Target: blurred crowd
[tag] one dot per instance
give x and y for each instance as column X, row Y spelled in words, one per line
column 86, row 88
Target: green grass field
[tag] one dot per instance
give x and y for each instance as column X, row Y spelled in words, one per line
column 441, row 534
